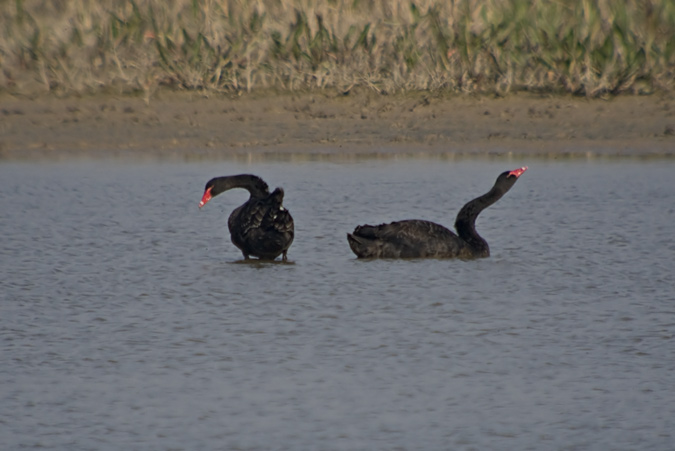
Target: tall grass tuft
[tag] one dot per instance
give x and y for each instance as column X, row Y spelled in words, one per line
column 584, row 47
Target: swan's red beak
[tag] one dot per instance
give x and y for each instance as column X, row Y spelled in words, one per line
column 205, row 198
column 518, row 172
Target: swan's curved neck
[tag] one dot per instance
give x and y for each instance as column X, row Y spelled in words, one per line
column 253, row 184
column 465, row 224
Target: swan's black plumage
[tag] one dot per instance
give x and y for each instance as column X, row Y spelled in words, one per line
column 261, row 227
column 416, row 238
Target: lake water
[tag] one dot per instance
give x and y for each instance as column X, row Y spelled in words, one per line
column 128, row 320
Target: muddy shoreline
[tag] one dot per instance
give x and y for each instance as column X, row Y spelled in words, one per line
column 261, row 125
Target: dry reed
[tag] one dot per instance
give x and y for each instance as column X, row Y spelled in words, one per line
column 582, row 47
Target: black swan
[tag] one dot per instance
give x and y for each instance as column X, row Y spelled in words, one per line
column 262, row 227
column 424, row 239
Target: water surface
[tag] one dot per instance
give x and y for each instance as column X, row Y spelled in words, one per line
column 128, row 320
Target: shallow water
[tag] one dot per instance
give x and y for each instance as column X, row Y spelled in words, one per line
column 129, row 321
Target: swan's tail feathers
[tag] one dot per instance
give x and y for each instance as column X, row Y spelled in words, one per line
column 277, row 197
column 356, row 245
column 362, row 246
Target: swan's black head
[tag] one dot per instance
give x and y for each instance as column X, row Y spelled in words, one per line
column 508, row 178
column 208, row 192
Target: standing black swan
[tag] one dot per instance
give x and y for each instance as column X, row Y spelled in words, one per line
column 262, row 227
column 416, row 238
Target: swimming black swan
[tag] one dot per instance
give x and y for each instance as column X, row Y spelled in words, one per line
column 262, row 227
column 424, row 239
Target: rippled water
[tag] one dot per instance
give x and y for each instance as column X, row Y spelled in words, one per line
column 128, row 320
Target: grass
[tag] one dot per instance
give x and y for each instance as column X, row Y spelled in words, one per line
column 584, row 47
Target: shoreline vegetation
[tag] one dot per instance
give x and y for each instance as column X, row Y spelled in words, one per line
column 588, row 48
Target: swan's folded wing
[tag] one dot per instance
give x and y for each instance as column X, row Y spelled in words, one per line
column 409, row 231
column 261, row 217
column 280, row 220
column 403, row 239
column 249, row 218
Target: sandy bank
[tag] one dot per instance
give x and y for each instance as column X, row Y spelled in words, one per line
column 190, row 125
